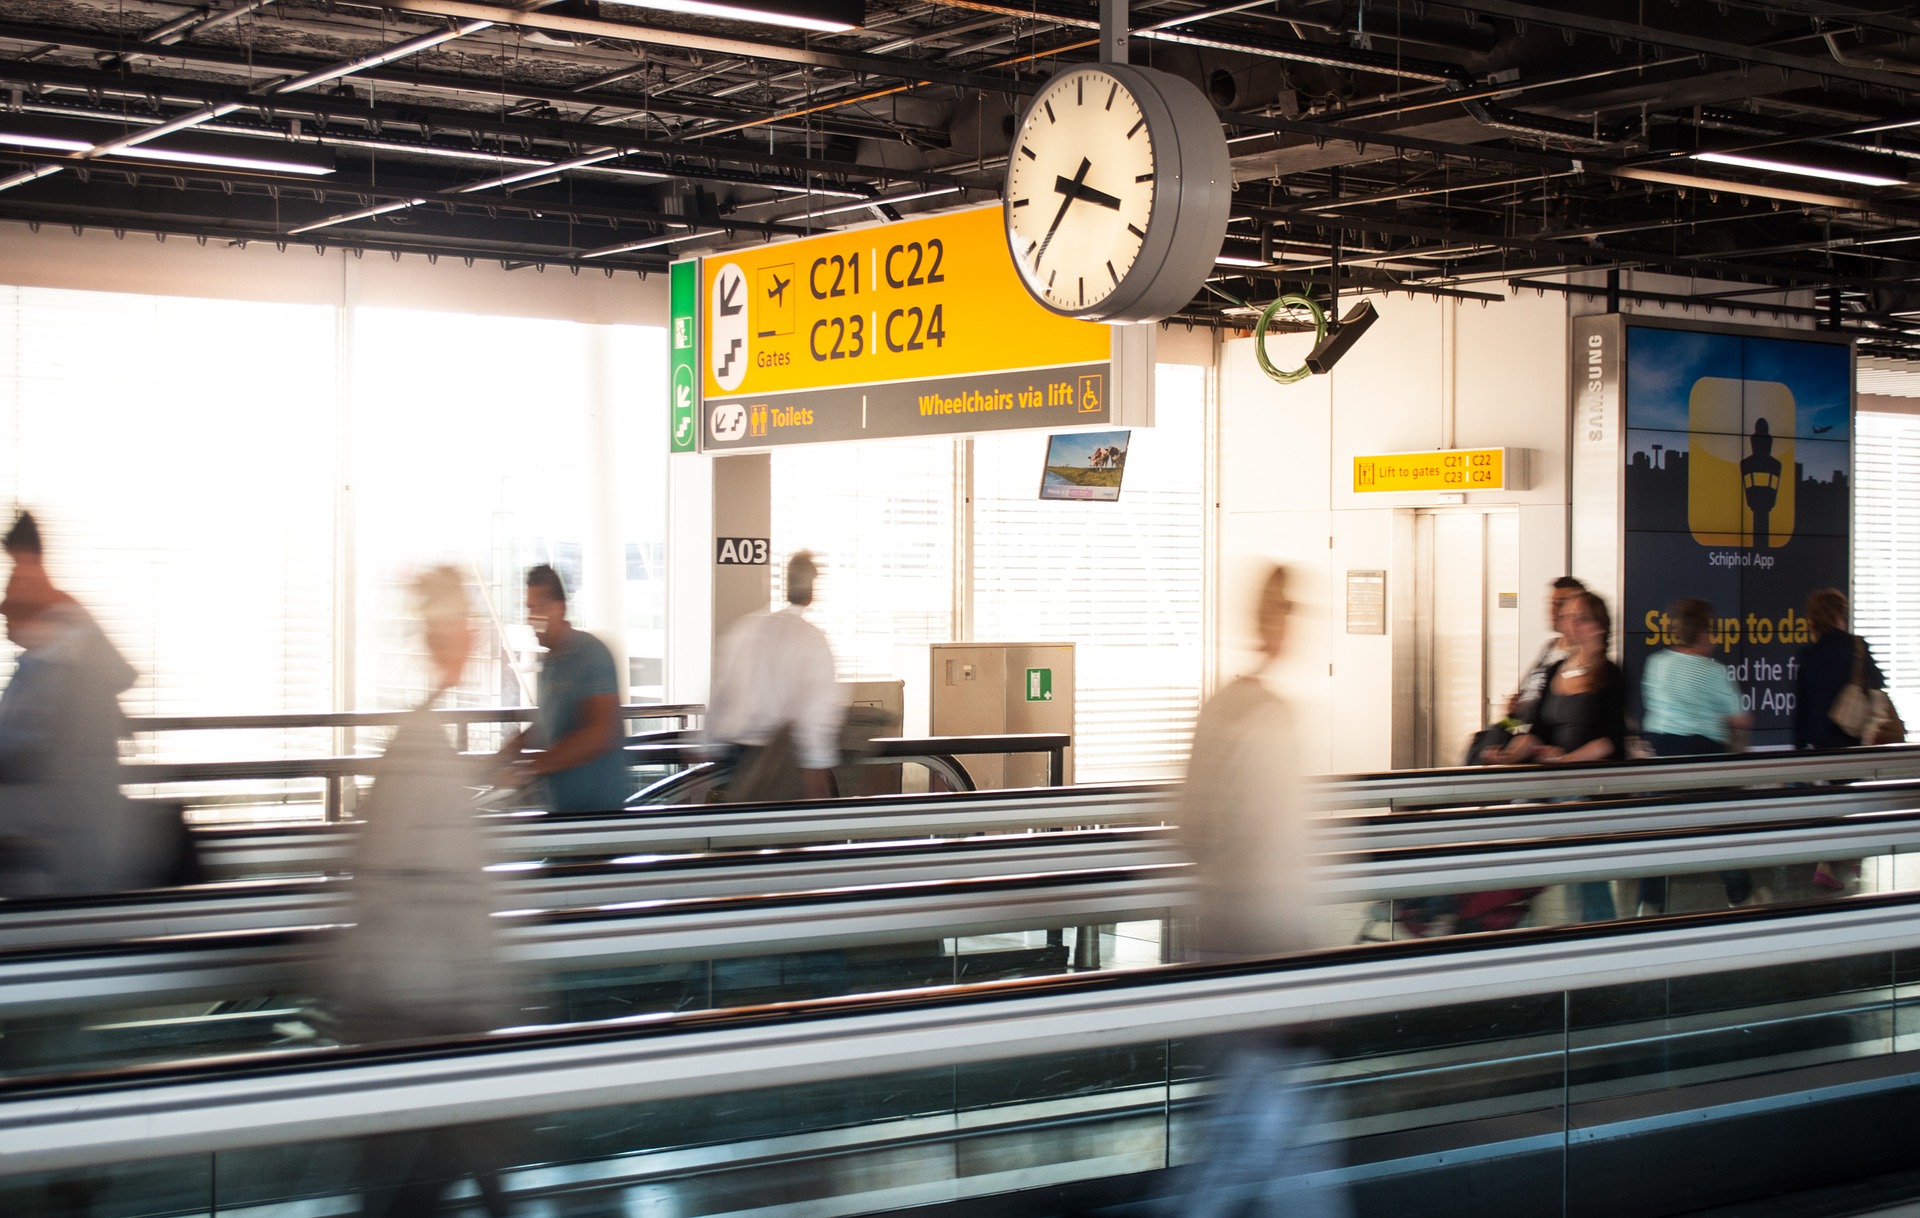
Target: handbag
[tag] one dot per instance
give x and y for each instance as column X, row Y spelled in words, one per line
column 1486, row 740
column 1887, row 727
column 1865, row 714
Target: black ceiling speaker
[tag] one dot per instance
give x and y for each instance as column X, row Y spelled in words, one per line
column 1327, row 352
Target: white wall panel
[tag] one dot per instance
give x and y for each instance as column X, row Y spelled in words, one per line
column 1429, row 374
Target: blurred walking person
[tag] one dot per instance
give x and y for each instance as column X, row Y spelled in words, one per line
column 1582, row 717
column 1834, row 660
column 580, row 758
column 423, row 959
column 777, row 708
column 1524, row 704
column 1837, row 669
column 1244, row 821
column 1690, row 707
column 65, row 826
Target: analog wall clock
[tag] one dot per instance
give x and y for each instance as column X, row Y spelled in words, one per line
column 1117, row 192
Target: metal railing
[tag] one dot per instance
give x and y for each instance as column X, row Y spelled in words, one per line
column 337, row 772
column 462, row 719
column 663, row 749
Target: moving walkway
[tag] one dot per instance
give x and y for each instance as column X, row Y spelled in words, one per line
column 1418, row 807
column 659, row 865
column 711, row 951
column 1624, row 1069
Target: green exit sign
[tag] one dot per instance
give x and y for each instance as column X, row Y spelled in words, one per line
column 1039, row 684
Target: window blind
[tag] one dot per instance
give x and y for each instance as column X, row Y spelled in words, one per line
column 1886, row 549
column 1125, row 581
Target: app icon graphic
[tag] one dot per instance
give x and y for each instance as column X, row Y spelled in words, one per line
column 1740, row 484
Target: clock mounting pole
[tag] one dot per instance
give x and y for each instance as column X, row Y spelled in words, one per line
column 1114, row 16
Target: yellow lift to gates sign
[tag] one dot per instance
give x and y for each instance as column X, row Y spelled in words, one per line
column 1458, row 469
column 917, row 299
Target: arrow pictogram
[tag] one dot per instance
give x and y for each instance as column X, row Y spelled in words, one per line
column 728, row 290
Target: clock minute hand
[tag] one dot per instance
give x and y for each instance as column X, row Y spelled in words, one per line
column 1070, row 189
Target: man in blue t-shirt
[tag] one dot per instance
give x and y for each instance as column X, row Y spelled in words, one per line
column 577, row 725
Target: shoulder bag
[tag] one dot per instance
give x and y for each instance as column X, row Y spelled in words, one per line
column 1865, row 714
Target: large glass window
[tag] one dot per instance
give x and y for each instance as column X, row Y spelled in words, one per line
column 184, row 480
column 492, row 444
column 207, row 472
column 880, row 517
column 1125, row 581
column 1886, row 549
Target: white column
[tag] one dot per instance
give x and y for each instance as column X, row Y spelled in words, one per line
column 689, row 571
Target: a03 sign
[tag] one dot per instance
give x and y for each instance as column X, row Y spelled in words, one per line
column 740, row 551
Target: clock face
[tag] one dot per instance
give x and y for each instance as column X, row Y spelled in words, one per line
column 1080, row 190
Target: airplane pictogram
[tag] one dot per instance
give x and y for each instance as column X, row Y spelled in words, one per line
column 773, row 316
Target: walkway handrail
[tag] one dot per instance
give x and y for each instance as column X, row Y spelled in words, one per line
column 1410, row 789
column 153, row 772
column 337, row 771
column 1358, row 870
column 148, row 724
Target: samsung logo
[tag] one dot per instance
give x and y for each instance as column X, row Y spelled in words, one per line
column 1596, row 393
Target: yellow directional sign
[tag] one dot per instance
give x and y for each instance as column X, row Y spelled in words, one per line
column 1455, row 469
column 925, row 298
column 915, row 328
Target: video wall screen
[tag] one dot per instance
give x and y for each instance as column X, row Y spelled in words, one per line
column 1738, row 489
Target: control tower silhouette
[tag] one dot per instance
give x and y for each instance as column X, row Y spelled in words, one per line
column 1760, row 478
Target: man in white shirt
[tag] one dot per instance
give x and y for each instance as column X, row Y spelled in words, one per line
column 775, row 694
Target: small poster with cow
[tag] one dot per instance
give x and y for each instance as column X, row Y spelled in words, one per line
column 1085, row 465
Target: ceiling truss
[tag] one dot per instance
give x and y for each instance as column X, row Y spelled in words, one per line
column 1464, row 150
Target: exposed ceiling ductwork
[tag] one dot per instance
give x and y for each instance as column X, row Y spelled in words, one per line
column 1452, row 149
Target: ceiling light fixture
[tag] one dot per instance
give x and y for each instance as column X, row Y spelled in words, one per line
column 1231, row 260
column 820, row 16
column 201, row 153
column 1778, row 164
column 716, row 228
column 872, row 201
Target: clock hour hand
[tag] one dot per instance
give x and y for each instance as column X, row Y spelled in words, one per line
column 1081, row 190
column 1070, row 189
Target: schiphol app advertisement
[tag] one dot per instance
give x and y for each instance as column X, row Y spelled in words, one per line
column 1739, row 459
column 914, row 328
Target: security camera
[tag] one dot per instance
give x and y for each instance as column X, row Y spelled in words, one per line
column 1327, row 352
